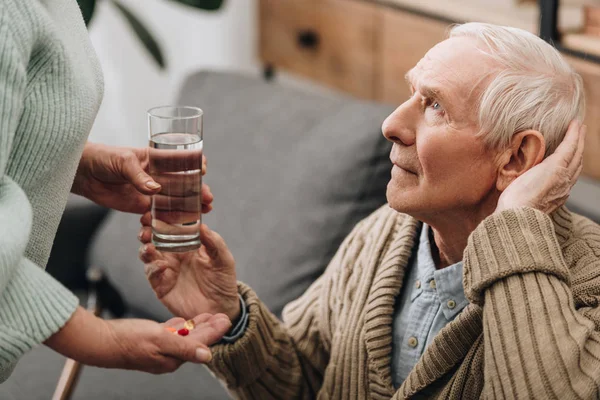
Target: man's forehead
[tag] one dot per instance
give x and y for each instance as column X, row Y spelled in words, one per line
column 456, row 61
column 456, row 67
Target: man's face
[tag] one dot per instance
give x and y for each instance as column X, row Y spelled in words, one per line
column 440, row 165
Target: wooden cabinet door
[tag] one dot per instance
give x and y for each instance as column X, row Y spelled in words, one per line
column 405, row 39
column 331, row 41
column 590, row 72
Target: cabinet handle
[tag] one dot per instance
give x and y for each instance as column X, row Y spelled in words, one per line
column 308, row 39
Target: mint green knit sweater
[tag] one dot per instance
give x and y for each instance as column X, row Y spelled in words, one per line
column 50, row 91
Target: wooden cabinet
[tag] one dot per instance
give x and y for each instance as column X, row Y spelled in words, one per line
column 365, row 47
column 405, row 38
column 306, row 37
column 590, row 72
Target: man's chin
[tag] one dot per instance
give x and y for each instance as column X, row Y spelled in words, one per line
column 401, row 202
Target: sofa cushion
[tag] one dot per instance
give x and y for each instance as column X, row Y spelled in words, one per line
column 291, row 172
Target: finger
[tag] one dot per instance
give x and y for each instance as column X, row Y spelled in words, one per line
column 174, row 322
column 206, row 208
column 207, row 196
column 211, row 331
column 133, row 172
column 140, row 204
column 212, row 241
column 179, row 322
column 577, row 173
column 567, row 148
column 204, row 164
column 145, row 235
column 146, row 219
column 189, row 348
column 148, row 253
column 202, row 318
column 154, row 274
column 578, row 157
column 168, row 365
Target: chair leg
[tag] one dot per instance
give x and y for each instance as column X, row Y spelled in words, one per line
column 68, row 380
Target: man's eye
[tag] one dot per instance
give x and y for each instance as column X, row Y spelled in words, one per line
column 436, row 106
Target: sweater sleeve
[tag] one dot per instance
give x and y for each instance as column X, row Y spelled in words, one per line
column 285, row 360
column 33, row 305
column 535, row 340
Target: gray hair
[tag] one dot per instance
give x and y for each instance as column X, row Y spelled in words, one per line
column 533, row 87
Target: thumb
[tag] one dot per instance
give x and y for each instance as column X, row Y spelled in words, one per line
column 180, row 348
column 134, row 173
column 212, row 241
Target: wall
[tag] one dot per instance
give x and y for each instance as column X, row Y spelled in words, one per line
column 190, row 39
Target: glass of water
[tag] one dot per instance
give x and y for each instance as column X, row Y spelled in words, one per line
column 175, row 135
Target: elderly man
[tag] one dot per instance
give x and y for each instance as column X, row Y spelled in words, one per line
column 473, row 282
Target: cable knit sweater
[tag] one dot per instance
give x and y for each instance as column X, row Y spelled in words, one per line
column 50, row 91
column 532, row 329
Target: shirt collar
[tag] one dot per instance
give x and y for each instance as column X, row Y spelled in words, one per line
column 448, row 281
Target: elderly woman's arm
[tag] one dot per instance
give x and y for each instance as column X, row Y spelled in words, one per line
column 33, row 305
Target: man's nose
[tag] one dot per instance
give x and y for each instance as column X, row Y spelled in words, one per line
column 399, row 126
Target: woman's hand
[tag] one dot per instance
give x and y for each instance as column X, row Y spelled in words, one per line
column 150, row 347
column 116, row 177
column 547, row 186
column 137, row 344
column 195, row 282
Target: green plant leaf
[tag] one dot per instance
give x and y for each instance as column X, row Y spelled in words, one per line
column 87, row 9
column 142, row 33
column 210, row 5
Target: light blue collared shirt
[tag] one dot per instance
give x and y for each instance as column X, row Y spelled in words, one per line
column 429, row 300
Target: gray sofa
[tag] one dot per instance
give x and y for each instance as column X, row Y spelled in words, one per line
column 291, row 172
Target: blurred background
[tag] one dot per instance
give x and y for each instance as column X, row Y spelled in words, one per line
column 362, row 48
column 190, row 39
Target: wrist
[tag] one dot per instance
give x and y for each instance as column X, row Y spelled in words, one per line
column 85, row 338
column 233, row 310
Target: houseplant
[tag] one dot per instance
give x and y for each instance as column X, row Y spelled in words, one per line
column 143, row 34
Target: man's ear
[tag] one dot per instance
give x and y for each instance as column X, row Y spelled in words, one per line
column 526, row 150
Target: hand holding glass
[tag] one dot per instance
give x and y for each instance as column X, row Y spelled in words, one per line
column 175, row 135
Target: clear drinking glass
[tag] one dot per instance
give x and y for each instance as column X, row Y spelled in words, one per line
column 175, row 135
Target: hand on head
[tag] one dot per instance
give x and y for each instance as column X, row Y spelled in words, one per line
column 547, row 185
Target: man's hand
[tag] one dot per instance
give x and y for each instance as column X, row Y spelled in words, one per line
column 195, row 282
column 116, row 177
column 135, row 343
column 547, row 186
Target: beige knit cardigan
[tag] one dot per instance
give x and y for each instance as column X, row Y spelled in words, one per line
column 531, row 330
